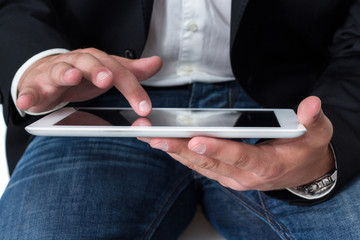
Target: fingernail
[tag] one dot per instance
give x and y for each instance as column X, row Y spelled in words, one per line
column 69, row 71
column 23, row 102
column 67, row 79
column 162, row 146
column 102, row 76
column 199, row 148
column 20, row 97
column 144, row 107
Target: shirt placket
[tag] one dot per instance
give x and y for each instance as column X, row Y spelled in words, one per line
column 192, row 35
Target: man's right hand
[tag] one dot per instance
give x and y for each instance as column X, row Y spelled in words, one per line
column 81, row 75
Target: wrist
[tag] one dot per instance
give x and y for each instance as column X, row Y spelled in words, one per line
column 321, row 186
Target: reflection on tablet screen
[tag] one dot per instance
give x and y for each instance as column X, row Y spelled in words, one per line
column 169, row 117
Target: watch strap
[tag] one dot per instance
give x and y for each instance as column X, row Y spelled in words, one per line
column 318, row 188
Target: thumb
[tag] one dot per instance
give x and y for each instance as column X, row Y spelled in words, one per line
column 143, row 68
column 309, row 111
column 313, row 118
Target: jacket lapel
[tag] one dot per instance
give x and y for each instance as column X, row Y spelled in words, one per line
column 147, row 6
column 237, row 11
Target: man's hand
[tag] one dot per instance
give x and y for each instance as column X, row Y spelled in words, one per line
column 83, row 74
column 271, row 165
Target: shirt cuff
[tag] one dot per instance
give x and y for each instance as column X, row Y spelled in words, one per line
column 21, row 71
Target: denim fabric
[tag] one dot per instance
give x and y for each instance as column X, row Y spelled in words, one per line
column 120, row 188
column 254, row 215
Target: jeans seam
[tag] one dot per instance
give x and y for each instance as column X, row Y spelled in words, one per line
column 165, row 207
column 265, row 218
column 270, row 216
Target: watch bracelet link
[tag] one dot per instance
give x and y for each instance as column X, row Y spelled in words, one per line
column 319, row 185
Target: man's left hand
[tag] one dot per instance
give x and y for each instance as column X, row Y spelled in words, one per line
column 270, row 165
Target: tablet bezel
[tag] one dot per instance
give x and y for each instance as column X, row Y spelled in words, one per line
column 289, row 127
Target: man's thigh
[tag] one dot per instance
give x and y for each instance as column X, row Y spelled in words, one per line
column 81, row 188
column 255, row 215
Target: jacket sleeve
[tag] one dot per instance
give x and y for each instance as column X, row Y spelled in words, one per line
column 339, row 91
column 340, row 94
column 27, row 28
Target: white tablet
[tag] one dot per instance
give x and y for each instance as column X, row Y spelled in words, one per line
column 170, row 122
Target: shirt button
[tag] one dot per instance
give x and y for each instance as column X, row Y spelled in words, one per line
column 187, row 69
column 193, row 27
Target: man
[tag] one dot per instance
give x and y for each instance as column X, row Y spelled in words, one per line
column 281, row 53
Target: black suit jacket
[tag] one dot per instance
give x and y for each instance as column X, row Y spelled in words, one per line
column 281, row 52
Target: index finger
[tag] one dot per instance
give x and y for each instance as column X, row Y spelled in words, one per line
column 126, row 82
column 123, row 79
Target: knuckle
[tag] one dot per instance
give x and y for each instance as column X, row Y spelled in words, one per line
column 94, row 52
column 82, row 57
column 77, row 51
column 76, row 58
column 123, row 73
column 192, row 166
column 91, row 50
column 241, row 161
column 86, row 55
column 56, row 71
column 208, row 164
column 48, row 90
column 86, row 50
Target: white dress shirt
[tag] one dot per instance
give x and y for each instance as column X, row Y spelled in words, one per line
column 193, row 39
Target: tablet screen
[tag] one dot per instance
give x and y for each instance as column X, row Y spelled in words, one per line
column 173, row 118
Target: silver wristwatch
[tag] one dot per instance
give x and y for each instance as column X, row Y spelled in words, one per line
column 318, row 188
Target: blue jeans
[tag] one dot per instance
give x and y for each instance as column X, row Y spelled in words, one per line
column 120, row 188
